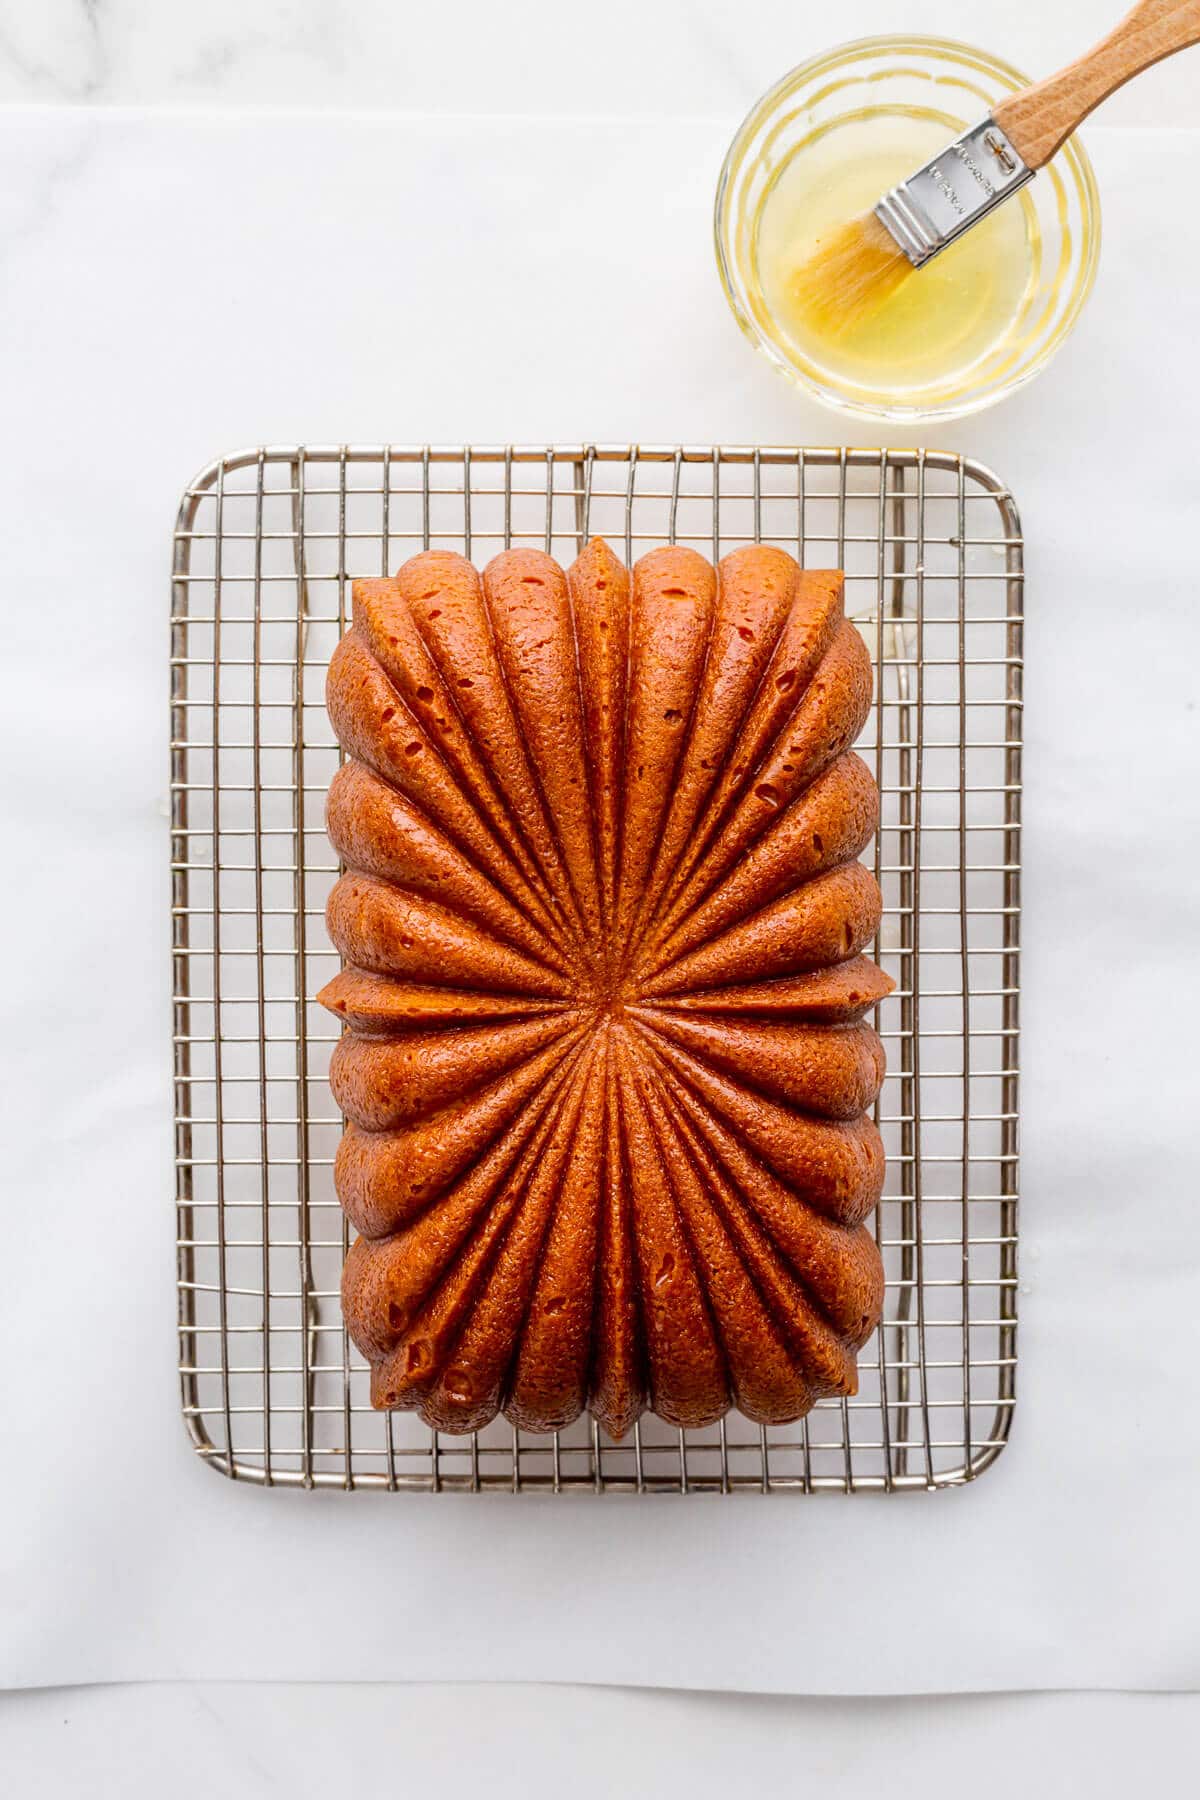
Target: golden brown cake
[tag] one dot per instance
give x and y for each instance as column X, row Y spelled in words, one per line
column 606, row 1069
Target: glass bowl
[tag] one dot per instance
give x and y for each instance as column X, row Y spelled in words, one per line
column 870, row 86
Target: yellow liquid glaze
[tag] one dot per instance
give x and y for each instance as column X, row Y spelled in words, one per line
column 943, row 321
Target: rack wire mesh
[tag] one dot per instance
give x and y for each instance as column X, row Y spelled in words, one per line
column 266, row 544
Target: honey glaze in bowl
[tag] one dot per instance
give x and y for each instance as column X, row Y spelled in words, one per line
column 984, row 317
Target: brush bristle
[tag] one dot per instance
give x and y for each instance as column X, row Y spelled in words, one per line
column 849, row 275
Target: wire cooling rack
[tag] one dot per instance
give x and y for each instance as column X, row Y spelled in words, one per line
column 266, row 545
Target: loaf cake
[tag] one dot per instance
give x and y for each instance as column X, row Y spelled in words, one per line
column 606, row 1066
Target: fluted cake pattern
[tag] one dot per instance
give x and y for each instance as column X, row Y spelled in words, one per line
column 606, row 1068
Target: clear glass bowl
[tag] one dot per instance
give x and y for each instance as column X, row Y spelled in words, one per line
column 928, row 79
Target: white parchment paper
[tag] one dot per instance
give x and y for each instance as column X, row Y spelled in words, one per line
column 172, row 288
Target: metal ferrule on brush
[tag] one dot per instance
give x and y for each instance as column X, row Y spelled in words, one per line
column 952, row 192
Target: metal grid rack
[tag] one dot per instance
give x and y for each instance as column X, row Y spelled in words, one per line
column 266, row 544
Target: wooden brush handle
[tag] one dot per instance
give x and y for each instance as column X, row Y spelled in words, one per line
column 1040, row 119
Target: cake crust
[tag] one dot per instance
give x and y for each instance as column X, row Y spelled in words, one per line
column 606, row 1066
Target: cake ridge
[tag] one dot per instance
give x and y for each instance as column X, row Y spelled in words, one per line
column 380, row 831
column 688, row 1377
column 764, row 635
column 782, row 775
column 801, row 646
column 668, row 643
column 458, row 1400
column 830, row 1363
column 842, row 800
column 364, row 707
column 485, row 694
column 411, row 1261
column 735, row 1303
column 529, row 704
column 429, row 1334
column 836, row 1265
column 374, row 1172
column 602, row 674
column 379, row 603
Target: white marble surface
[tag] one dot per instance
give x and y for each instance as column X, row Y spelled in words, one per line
column 524, row 57
column 256, row 1742
column 678, row 56
column 124, row 256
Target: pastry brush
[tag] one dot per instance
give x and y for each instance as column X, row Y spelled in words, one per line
column 861, row 264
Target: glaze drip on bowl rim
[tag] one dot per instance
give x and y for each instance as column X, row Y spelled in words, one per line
column 606, row 1070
